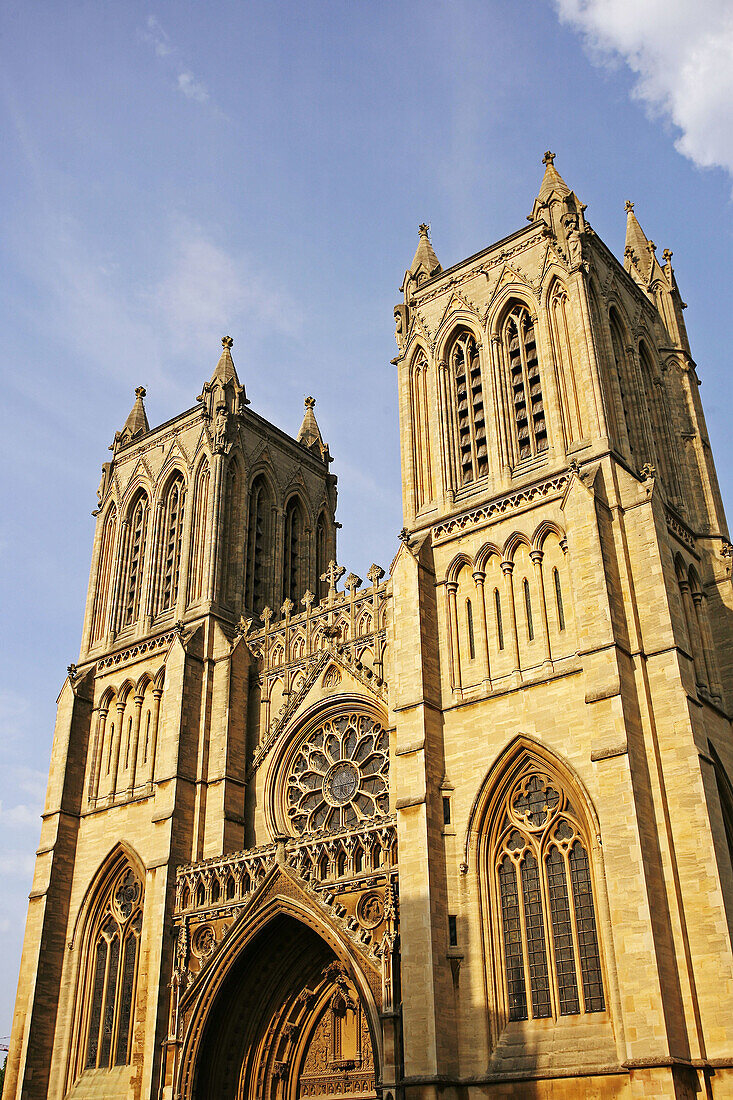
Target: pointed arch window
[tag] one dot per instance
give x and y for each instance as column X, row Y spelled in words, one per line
column 171, row 541
column 258, row 540
column 627, row 389
column 421, row 458
column 104, row 576
column 321, row 556
column 134, row 560
column 232, row 532
column 544, row 898
column 111, row 973
column 198, row 535
column 469, row 418
column 558, row 600
column 499, row 620
column 293, row 551
column 525, row 384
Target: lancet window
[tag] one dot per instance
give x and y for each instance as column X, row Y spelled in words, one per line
column 198, row 535
column 232, row 532
column 321, row 555
column 134, row 560
column 111, row 973
column 294, row 549
column 544, row 897
column 525, row 384
column 421, row 458
column 469, row 418
column 104, row 576
column 171, row 541
column 258, row 540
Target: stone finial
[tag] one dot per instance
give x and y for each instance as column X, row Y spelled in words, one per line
column 310, row 402
column 668, row 254
column 352, row 582
column 375, row 573
column 651, row 246
column 549, row 158
column 404, row 536
column 308, row 600
column 227, row 342
column 424, row 229
column 287, row 608
column 628, row 206
column 266, row 615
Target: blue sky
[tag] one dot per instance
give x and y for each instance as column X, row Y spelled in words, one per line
column 177, row 172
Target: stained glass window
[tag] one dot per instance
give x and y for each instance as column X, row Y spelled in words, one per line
column 113, row 973
column 545, row 898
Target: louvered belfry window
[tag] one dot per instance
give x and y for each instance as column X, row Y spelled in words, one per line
column 134, row 560
column 114, row 948
column 544, row 891
column 470, row 419
column 525, row 385
column 172, row 539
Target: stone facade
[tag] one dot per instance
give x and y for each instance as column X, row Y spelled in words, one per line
column 465, row 831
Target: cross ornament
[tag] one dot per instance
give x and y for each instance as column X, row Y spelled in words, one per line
column 333, row 574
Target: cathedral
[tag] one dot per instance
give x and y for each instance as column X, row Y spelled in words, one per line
column 460, row 829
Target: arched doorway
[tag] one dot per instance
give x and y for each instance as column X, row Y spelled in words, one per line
column 287, row 1023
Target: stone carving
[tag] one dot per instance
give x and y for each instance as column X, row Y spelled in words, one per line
column 370, row 910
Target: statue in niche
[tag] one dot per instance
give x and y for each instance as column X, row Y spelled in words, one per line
column 221, row 429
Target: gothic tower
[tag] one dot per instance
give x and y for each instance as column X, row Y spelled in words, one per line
column 200, row 524
column 561, row 686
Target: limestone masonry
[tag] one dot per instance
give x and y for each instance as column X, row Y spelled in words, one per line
column 461, row 829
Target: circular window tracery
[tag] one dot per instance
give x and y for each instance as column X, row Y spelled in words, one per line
column 339, row 775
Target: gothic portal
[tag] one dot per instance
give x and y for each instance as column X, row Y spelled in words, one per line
column 461, row 829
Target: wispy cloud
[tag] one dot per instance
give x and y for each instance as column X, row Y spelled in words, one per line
column 185, row 81
column 682, row 55
column 206, row 287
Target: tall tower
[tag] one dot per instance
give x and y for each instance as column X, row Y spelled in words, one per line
column 561, row 685
column 201, row 523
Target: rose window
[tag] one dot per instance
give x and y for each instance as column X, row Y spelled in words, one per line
column 339, row 775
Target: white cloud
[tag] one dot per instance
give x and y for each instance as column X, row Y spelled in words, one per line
column 185, row 80
column 682, row 55
column 192, row 88
column 208, row 289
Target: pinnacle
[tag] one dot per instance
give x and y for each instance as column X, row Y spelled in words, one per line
column 425, row 260
column 225, row 371
column 137, row 421
column 637, row 247
column 310, row 434
column 552, row 180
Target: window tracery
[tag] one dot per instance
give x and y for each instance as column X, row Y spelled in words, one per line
column 339, row 776
column 525, row 384
column 112, row 971
column 545, row 904
column 469, row 419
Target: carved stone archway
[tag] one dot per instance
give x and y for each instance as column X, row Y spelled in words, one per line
column 288, row 1023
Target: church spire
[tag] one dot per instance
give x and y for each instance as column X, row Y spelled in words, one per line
column 136, row 423
column 310, row 434
column 424, row 264
column 224, row 387
column 561, row 210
